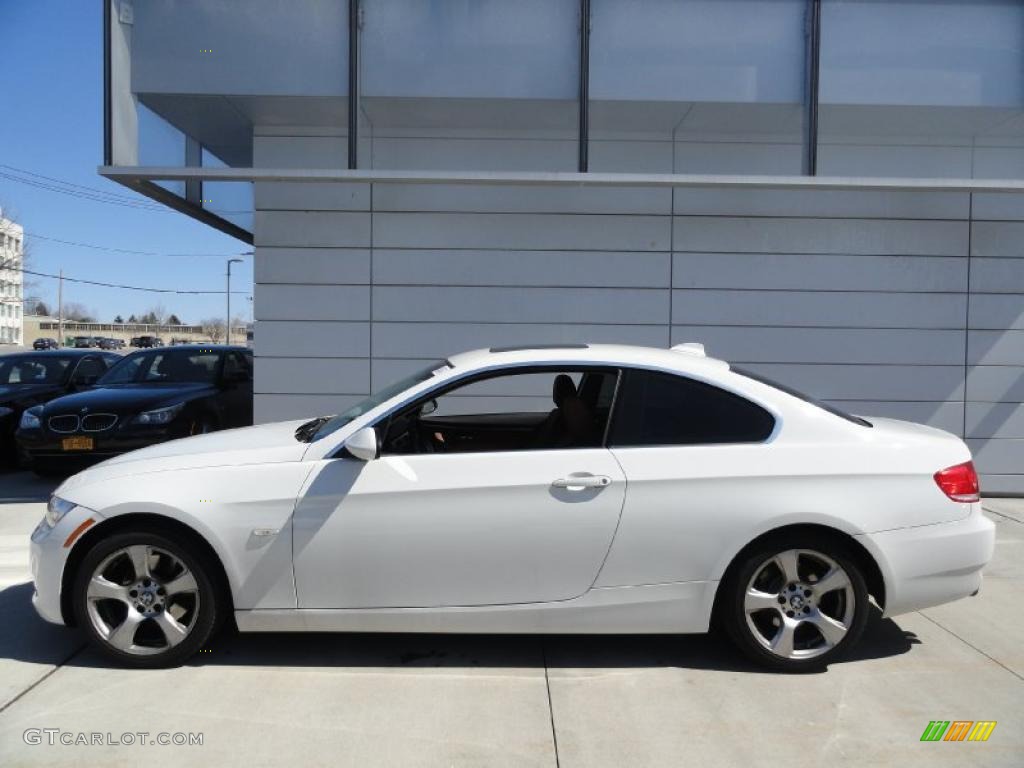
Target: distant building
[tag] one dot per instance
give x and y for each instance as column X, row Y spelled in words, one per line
column 12, row 250
column 39, row 326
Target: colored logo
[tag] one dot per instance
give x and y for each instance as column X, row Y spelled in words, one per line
column 958, row 730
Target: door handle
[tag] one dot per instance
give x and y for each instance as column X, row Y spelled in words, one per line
column 578, row 483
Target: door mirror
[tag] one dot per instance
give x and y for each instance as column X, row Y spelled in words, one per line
column 428, row 407
column 363, row 445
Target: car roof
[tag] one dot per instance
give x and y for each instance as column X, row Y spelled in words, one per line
column 65, row 351
column 193, row 346
column 682, row 357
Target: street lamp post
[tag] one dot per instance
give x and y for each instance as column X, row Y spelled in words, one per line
column 227, row 328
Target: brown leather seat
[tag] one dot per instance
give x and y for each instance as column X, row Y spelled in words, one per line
column 570, row 423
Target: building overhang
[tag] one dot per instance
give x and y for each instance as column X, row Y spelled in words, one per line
column 136, row 177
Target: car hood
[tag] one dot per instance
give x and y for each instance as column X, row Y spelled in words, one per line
column 126, row 398
column 261, row 444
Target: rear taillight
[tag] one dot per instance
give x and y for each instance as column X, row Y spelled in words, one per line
column 960, row 483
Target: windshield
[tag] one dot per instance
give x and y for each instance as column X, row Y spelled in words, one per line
column 27, row 370
column 164, row 366
column 335, row 423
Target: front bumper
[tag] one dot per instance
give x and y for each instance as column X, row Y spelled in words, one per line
column 48, row 447
column 48, row 555
column 928, row 565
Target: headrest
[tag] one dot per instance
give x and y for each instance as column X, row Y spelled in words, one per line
column 562, row 388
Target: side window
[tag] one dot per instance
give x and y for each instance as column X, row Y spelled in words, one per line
column 89, row 369
column 655, row 408
column 530, row 409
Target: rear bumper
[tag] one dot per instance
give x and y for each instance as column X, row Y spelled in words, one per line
column 929, row 565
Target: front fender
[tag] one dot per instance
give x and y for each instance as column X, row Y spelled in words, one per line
column 243, row 512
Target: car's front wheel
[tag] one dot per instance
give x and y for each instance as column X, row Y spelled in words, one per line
column 145, row 599
column 796, row 605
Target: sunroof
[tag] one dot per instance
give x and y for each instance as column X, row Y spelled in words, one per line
column 538, row 346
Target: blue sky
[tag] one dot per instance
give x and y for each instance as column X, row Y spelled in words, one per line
column 51, row 123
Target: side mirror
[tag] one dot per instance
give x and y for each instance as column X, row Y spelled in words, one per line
column 428, row 407
column 363, row 445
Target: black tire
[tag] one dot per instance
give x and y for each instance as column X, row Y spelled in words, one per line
column 751, row 640
column 203, row 424
column 202, row 622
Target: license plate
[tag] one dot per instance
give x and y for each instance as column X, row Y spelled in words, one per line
column 76, row 443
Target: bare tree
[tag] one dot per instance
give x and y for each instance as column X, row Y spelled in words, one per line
column 78, row 312
column 213, row 327
column 158, row 313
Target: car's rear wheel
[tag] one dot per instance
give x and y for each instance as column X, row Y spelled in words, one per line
column 796, row 605
column 146, row 599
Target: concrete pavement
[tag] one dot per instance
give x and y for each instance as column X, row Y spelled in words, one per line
column 570, row 701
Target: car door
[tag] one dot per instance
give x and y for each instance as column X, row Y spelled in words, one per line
column 476, row 527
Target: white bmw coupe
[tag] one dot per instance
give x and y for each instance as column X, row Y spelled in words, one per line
column 546, row 489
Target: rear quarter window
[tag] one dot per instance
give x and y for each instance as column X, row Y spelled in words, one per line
column 806, row 398
column 655, row 408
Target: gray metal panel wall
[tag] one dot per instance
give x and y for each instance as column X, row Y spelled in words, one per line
column 898, row 304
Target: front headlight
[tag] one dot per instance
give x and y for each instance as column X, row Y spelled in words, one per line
column 5, row 411
column 30, row 417
column 56, row 509
column 159, row 416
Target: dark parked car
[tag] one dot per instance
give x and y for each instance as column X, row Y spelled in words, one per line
column 107, row 343
column 86, row 342
column 147, row 397
column 45, row 344
column 31, row 378
column 146, row 342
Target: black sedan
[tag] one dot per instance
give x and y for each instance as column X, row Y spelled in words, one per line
column 31, row 378
column 148, row 397
column 45, row 344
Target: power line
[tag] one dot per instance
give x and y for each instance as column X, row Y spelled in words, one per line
column 96, row 197
column 120, row 286
column 96, row 190
column 128, row 250
column 93, row 194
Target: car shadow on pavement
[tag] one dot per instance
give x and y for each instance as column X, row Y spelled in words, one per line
column 19, row 486
column 26, row 637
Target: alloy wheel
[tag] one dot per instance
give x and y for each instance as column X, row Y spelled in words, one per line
column 142, row 600
column 799, row 604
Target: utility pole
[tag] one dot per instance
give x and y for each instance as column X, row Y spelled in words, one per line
column 227, row 327
column 60, row 309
